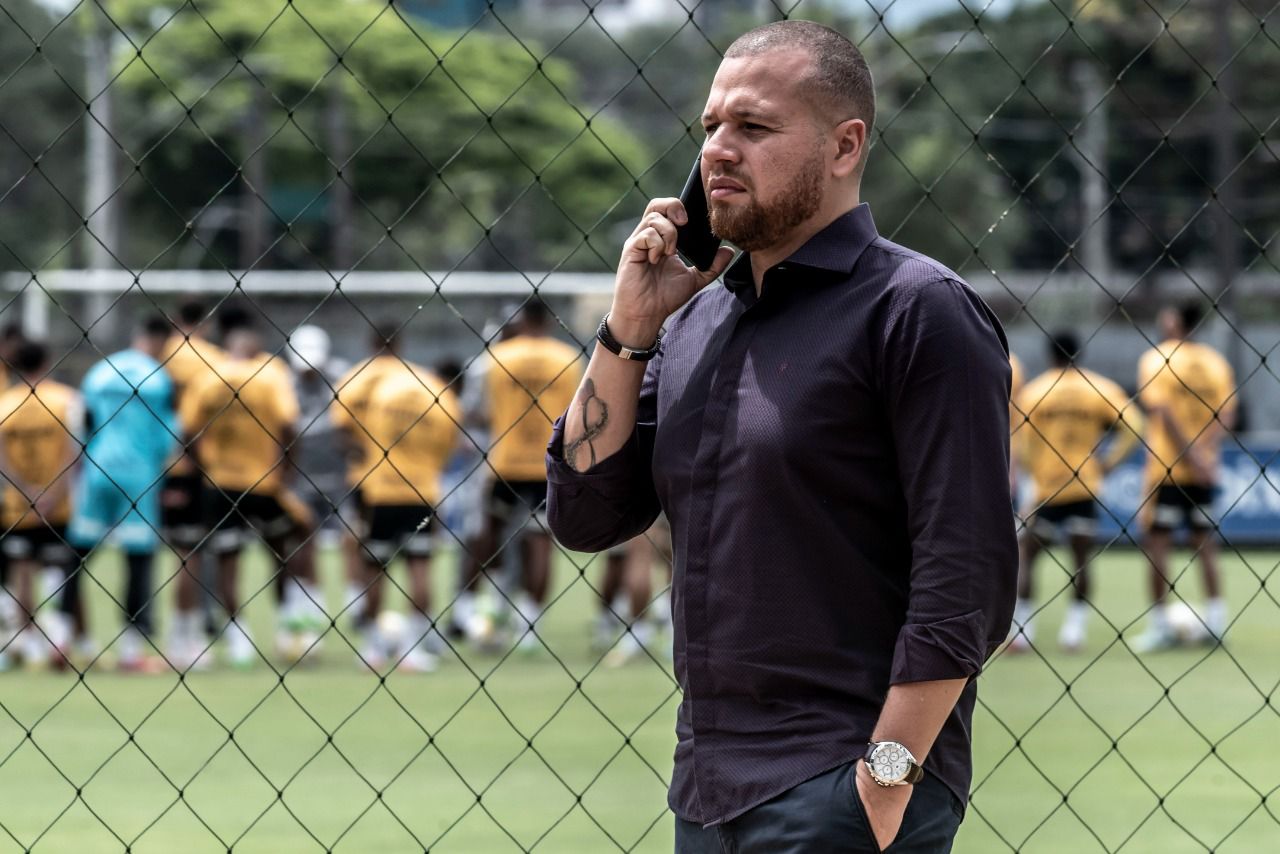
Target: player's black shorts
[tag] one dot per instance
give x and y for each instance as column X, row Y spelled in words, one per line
column 1078, row 518
column 46, row 544
column 1190, row 505
column 519, row 499
column 235, row 519
column 399, row 529
column 182, row 520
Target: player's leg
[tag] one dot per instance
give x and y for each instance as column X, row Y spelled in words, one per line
column 72, row 601
column 535, row 554
column 416, row 547
column 183, row 527
column 612, row 616
column 377, row 550
column 1167, row 514
column 27, row 643
column 136, row 643
column 638, row 555
column 659, row 538
column 8, row 609
column 1081, row 524
column 1040, row 529
column 354, row 531
column 1204, row 545
column 228, row 533
column 134, row 523
column 289, row 526
column 476, row 619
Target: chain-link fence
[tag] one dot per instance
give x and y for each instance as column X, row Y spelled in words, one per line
column 293, row 290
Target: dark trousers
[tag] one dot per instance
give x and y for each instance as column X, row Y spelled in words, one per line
column 824, row 814
column 137, row 597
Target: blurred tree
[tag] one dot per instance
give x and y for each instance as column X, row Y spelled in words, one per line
column 41, row 136
column 465, row 150
column 1016, row 85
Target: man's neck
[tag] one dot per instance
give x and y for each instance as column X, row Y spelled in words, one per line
column 763, row 260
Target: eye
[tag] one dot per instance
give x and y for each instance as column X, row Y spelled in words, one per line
column 710, row 129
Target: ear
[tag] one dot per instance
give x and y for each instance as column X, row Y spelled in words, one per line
column 850, row 138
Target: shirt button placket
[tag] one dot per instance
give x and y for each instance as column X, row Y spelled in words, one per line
column 721, row 396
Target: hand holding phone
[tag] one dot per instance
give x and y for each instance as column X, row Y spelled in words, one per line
column 695, row 240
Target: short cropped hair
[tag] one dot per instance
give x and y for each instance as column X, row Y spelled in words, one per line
column 30, row 357
column 192, row 312
column 233, row 317
column 1190, row 315
column 839, row 85
column 535, row 312
column 1064, row 348
column 156, row 326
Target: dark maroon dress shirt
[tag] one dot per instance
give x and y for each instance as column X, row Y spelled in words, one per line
column 833, row 459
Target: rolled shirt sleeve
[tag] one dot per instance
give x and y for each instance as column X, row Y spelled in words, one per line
column 615, row 499
column 947, row 379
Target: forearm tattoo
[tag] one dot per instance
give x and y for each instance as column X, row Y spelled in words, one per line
column 595, row 415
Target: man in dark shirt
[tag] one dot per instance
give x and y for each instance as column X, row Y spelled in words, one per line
column 828, row 435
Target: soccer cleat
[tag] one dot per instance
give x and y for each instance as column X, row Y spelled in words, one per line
column 1071, row 637
column 418, row 661
column 627, row 649
column 529, row 644
column 146, row 664
column 1155, row 640
column 240, row 651
column 1018, row 644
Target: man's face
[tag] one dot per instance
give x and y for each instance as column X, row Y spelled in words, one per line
column 1169, row 323
column 764, row 163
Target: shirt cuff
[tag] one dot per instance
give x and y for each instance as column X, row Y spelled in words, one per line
column 610, row 478
column 951, row 648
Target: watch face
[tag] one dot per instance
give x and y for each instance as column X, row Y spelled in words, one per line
column 890, row 761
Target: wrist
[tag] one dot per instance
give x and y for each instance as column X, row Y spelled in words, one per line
column 633, row 333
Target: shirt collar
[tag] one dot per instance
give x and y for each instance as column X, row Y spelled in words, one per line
column 834, row 249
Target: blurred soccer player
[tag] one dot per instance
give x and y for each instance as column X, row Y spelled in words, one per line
column 188, row 357
column 1016, row 419
column 532, row 380
column 642, row 616
column 470, row 617
column 131, row 429
column 39, row 419
column 412, row 422
column 10, row 339
column 350, row 414
column 318, row 452
column 1188, row 390
column 243, row 422
column 1069, row 412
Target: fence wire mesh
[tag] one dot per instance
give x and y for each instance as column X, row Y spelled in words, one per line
column 374, row 239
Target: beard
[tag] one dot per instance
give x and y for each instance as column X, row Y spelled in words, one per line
column 760, row 224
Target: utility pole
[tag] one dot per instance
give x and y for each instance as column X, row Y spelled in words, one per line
column 1093, row 245
column 253, row 179
column 338, row 137
column 1226, row 238
column 101, row 206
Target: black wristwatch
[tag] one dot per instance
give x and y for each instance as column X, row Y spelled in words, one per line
column 605, row 337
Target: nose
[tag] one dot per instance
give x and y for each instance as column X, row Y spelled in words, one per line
column 718, row 148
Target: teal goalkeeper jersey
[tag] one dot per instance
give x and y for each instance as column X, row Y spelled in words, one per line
column 128, row 399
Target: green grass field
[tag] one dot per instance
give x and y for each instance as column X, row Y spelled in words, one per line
column 1098, row 751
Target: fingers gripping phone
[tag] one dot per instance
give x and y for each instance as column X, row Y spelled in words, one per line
column 695, row 241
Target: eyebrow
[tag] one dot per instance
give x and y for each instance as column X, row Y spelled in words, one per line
column 745, row 113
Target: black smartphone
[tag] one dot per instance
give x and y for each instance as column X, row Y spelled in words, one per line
column 695, row 241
